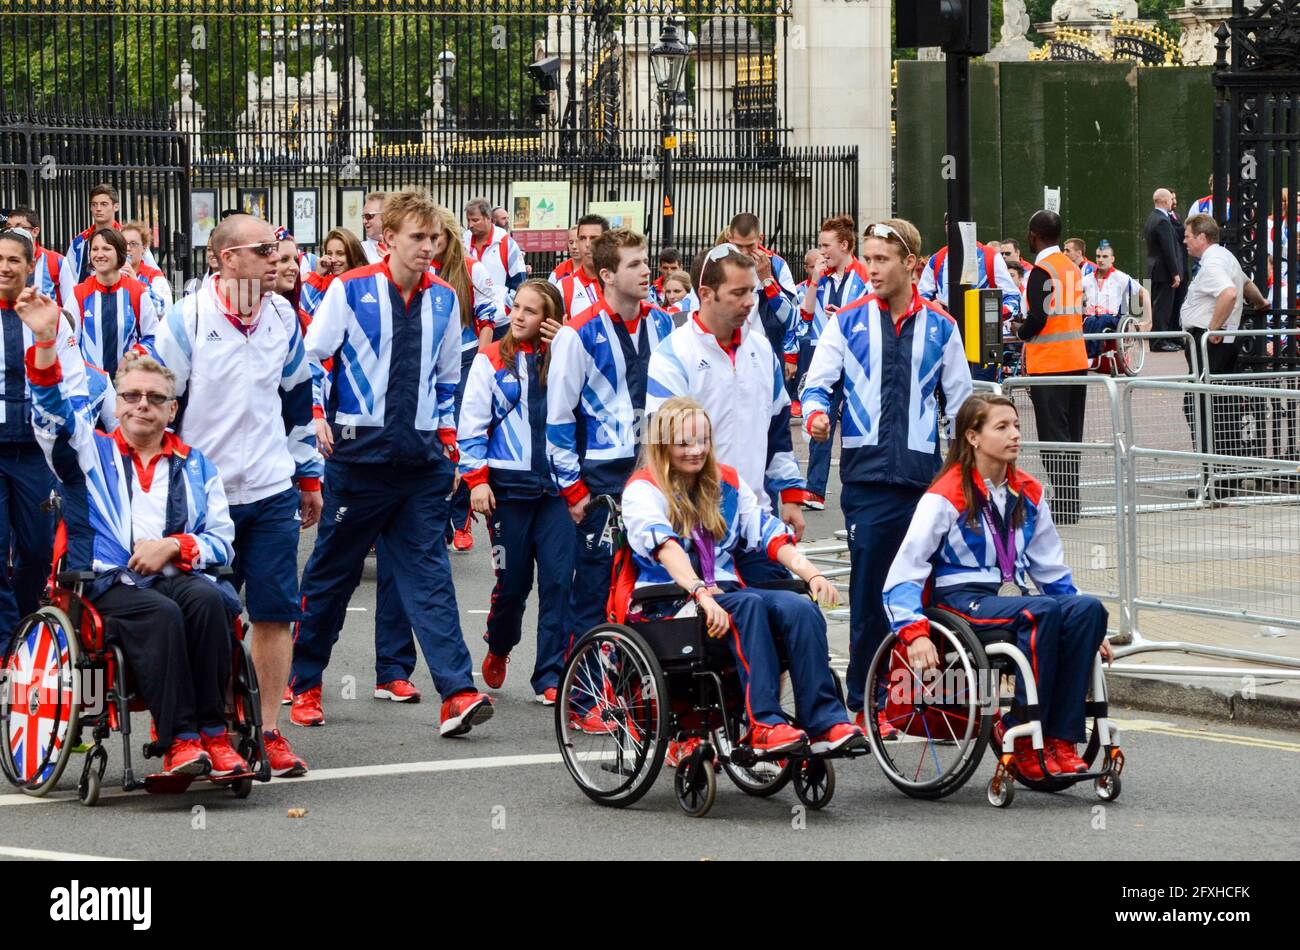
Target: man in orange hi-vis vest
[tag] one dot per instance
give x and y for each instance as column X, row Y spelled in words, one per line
column 1053, row 335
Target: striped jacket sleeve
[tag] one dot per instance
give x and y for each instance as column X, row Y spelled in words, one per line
column 564, row 383
column 172, row 343
column 488, row 310
column 666, row 376
column 782, row 468
column 955, row 378
column 210, row 540
column 329, row 325
column 905, row 583
column 776, row 307
column 1012, row 303
column 476, row 420
column 448, row 380
column 928, row 285
column 66, row 436
column 645, row 518
column 825, row 370
column 759, row 531
column 1046, row 556
column 296, row 403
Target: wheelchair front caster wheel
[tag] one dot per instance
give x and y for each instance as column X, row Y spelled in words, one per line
column 814, row 782
column 242, row 787
column 696, row 786
column 1001, row 791
column 92, row 776
column 1108, row 786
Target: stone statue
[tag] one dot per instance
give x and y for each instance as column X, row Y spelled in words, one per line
column 1100, row 11
column 1014, row 45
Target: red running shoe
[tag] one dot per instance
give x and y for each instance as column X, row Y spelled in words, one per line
column 284, row 763
column 592, row 723
column 463, row 712
column 1066, row 755
column 814, row 502
column 773, row 740
column 306, row 709
column 494, row 670
column 887, row 730
column 796, row 410
column 462, row 542
column 677, row 751
column 399, row 691
column 1027, row 761
column 842, row 735
column 225, row 760
column 547, row 696
column 287, row 698
column 186, row 757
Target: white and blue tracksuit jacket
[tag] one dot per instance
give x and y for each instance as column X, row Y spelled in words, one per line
column 832, row 292
column 749, row 528
column 396, row 365
column 502, row 430
column 743, row 391
column 941, row 544
column 113, row 320
column 53, row 277
column 15, row 390
column 249, row 395
column 595, row 398
column 992, row 272
column 505, row 263
column 893, row 377
column 776, row 310
column 97, row 477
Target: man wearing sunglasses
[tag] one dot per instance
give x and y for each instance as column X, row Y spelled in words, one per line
column 155, row 518
column 372, row 223
column 237, row 353
column 895, row 355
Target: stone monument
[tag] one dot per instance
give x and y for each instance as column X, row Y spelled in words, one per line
column 1199, row 19
column 1014, row 45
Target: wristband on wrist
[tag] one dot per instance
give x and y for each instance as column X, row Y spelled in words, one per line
column 45, row 344
column 695, row 589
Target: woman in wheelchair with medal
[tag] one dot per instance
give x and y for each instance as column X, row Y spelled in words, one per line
column 982, row 531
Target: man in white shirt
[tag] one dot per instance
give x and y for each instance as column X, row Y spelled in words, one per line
column 372, row 223
column 718, row 360
column 1214, row 303
column 497, row 250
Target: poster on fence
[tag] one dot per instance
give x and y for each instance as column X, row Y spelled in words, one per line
column 621, row 214
column 539, row 215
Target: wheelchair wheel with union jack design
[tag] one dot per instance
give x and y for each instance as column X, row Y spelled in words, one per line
column 40, row 702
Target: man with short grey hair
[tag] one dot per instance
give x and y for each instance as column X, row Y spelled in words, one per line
column 497, row 251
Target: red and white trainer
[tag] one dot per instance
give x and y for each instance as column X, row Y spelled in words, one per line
column 306, row 709
column 462, row 542
column 547, row 696
column 814, row 502
column 399, row 691
column 464, row 711
column 842, row 735
column 283, row 761
column 773, row 740
column 494, row 670
column 186, row 757
column 225, row 760
column 1066, row 755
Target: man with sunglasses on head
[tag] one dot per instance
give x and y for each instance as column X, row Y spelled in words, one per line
column 895, row 355
column 146, row 514
column 237, row 353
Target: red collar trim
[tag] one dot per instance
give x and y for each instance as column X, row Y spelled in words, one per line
column 171, row 445
column 425, row 282
column 89, row 232
column 106, row 288
column 736, row 336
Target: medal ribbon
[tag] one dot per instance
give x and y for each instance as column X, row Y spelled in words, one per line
column 1004, row 535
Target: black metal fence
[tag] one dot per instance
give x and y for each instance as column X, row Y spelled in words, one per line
column 52, row 169
column 1257, row 164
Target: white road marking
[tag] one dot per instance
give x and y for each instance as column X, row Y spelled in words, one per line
column 477, row 611
column 357, row 609
column 39, row 855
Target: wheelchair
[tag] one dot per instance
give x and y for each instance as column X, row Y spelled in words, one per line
column 63, row 679
column 945, row 719
column 656, row 680
column 1123, row 356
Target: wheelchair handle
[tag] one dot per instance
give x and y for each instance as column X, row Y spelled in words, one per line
column 605, row 501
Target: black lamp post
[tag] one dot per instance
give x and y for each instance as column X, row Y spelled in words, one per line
column 668, row 64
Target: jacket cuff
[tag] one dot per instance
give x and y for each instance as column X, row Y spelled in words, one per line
column 772, row 289
column 42, row 377
column 317, row 412
column 914, row 631
column 776, row 544
column 189, row 551
column 792, row 358
column 807, row 423
column 475, row 478
column 793, row 496
column 309, row 483
column 575, row 492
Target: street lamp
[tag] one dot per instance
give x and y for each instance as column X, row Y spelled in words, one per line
column 667, row 65
column 446, row 71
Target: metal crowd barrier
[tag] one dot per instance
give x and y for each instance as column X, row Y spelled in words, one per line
column 1162, row 526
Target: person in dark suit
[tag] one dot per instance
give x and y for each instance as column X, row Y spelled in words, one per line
column 1164, row 267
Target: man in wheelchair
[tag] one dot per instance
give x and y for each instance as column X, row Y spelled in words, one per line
column 982, row 531
column 685, row 516
column 145, row 514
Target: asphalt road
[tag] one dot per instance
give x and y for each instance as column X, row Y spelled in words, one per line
column 384, row 785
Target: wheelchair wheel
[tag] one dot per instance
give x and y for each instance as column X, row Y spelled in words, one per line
column 1107, row 786
column 92, row 776
column 942, row 728
column 814, row 782
column 611, row 716
column 1130, row 354
column 40, row 704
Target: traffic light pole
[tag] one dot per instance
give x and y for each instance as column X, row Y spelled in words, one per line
column 959, row 190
